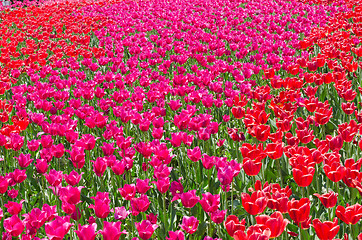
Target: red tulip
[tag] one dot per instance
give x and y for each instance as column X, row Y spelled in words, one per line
column 303, row 175
column 276, row 223
column 329, row 199
column 350, row 214
column 274, row 150
column 299, row 210
column 254, row 204
column 232, row 224
column 326, row 230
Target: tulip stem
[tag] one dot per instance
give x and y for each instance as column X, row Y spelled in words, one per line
column 280, row 172
column 164, row 213
column 352, row 230
column 232, row 198
column 209, row 179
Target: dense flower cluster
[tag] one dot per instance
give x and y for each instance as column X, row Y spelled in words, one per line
column 181, row 120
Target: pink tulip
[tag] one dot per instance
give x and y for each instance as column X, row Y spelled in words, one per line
column 14, row 226
column 189, row 224
column 58, row 228
column 145, row 229
column 87, row 232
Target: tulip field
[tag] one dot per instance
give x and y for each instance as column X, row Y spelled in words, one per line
column 181, row 119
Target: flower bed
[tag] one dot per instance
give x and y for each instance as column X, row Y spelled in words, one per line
column 181, row 120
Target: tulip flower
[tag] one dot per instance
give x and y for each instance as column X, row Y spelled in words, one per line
column 87, row 232
column 350, row 214
column 232, row 225
column 275, row 222
column 254, row 204
column 189, row 224
column 13, row 226
column 189, row 199
column 58, row 228
column 299, row 210
column 326, row 230
column 209, row 202
column 329, row 199
column 145, row 229
column 111, row 230
column 177, row 235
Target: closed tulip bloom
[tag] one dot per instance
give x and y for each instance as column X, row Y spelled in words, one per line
column 41, row 166
column 225, row 175
column 162, row 184
column 142, row 186
column 24, row 160
column 87, row 232
column 299, row 210
column 139, row 204
column 303, row 175
column 3, row 185
column 252, row 167
column 254, row 204
column 329, row 199
column 99, row 166
column 89, row 141
column 189, row 224
column 189, row 199
column 46, row 141
column 73, row 178
column 350, row 214
column 275, row 222
column 218, row 216
column 101, row 204
column 70, row 194
column 326, row 230
column 145, row 229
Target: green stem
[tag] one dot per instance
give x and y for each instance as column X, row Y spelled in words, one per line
column 352, row 231
column 165, row 212
column 232, row 198
column 280, row 172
